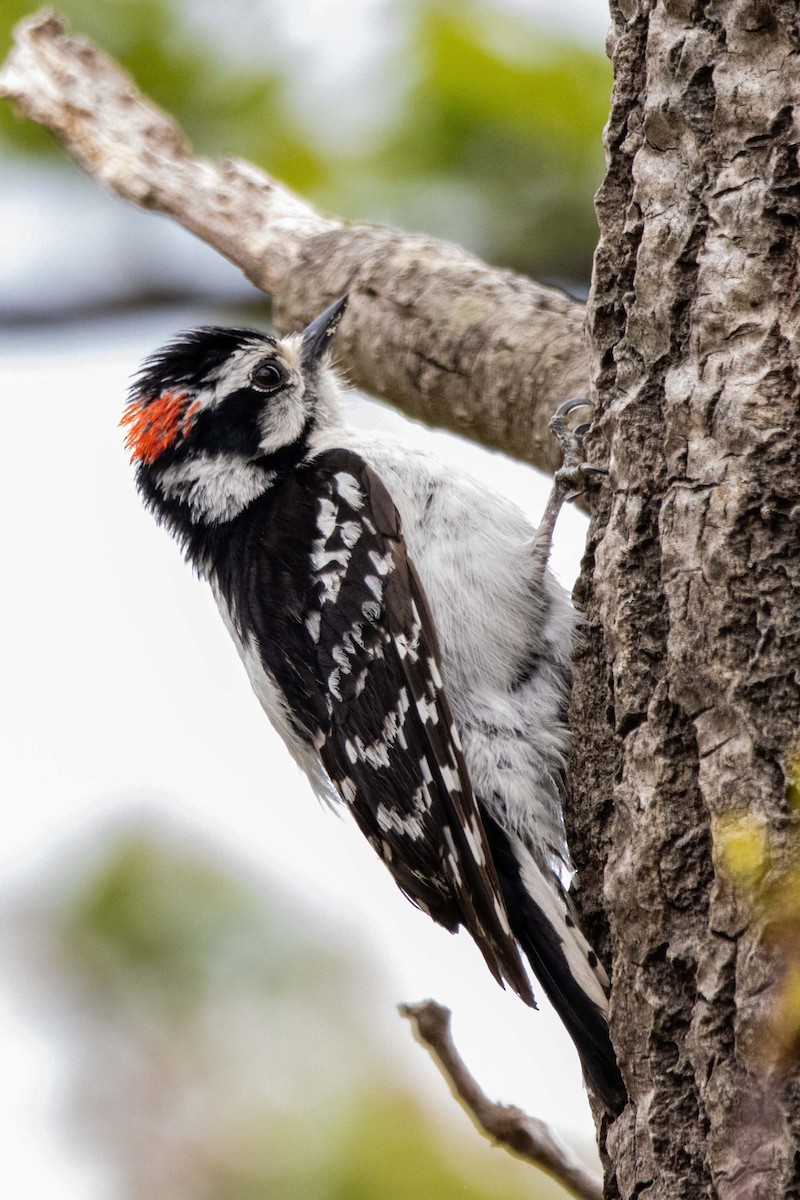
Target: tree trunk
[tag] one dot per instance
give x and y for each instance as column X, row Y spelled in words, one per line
column 686, row 706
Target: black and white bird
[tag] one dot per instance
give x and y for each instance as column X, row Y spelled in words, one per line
column 402, row 633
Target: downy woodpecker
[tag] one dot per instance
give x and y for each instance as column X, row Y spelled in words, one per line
column 402, row 632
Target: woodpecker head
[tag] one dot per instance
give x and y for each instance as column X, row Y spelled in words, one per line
column 213, row 417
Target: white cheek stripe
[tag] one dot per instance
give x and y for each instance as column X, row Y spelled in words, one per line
column 216, row 487
column 282, row 420
column 237, row 370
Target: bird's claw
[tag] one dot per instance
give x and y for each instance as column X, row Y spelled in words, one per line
column 574, row 471
column 570, row 440
column 567, row 406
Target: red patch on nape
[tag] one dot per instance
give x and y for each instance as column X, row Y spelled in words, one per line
column 153, row 425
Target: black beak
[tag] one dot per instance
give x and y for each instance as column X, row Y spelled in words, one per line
column 317, row 336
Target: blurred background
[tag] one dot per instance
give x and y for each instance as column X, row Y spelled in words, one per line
column 199, row 967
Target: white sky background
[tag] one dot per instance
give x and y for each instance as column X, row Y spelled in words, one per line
column 123, row 693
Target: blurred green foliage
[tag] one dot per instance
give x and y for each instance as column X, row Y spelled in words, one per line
column 236, row 1041
column 388, row 1149
column 173, row 925
column 521, row 134
column 223, row 111
column 494, row 140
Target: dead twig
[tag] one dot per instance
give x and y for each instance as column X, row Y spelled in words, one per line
column 505, row 1125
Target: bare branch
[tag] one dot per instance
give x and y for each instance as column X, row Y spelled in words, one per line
column 505, row 1125
column 429, row 328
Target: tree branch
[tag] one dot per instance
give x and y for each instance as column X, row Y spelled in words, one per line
column 430, row 329
column 505, row 1125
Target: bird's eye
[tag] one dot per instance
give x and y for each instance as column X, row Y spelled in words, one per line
column 268, row 376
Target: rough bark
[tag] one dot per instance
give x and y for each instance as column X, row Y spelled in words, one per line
column 429, row 328
column 687, row 701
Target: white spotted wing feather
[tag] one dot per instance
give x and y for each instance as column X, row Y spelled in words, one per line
column 342, row 627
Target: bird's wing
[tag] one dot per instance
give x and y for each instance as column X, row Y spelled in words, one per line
column 343, row 626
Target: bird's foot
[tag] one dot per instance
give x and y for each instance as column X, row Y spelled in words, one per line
column 572, row 476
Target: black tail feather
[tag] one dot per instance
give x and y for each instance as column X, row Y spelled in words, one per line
column 542, row 944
